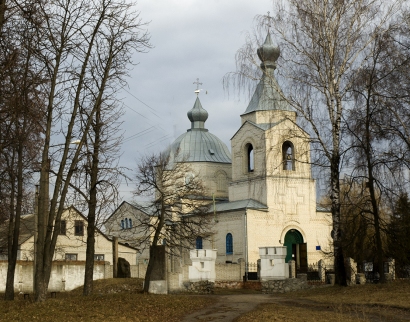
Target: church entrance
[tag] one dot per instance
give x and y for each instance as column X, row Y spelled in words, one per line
column 296, row 250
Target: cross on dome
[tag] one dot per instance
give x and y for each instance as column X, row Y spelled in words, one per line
column 197, row 86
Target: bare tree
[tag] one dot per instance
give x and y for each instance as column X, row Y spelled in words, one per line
column 376, row 150
column 85, row 48
column 323, row 45
column 177, row 204
column 21, row 108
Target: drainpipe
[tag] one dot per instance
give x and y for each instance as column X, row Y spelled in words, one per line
column 246, row 244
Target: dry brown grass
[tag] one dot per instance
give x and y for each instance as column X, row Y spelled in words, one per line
column 114, row 300
column 122, row 300
column 373, row 302
column 395, row 294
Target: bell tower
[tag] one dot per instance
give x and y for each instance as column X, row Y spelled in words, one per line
column 270, row 152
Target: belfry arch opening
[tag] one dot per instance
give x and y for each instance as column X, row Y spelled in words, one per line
column 296, row 250
column 288, row 156
column 250, row 157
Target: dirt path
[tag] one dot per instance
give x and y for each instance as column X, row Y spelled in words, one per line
column 230, row 307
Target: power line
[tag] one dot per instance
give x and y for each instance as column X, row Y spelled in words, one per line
column 136, row 135
column 153, row 110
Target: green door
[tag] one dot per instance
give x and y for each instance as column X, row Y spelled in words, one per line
column 292, row 238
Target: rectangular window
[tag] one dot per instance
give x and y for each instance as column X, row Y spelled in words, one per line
column 79, row 228
column 98, row 257
column 70, row 257
column 63, row 227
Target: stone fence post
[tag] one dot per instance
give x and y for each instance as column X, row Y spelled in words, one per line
column 322, row 270
column 351, row 271
column 292, row 269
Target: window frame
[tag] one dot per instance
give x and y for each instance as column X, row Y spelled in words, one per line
column 250, row 157
column 79, row 228
column 96, row 257
column 229, row 244
column 63, row 227
column 69, row 255
column 286, row 161
column 199, row 243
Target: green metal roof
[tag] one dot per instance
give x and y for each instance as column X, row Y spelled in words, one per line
column 198, row 144
column 268, row 94
column 237, row 205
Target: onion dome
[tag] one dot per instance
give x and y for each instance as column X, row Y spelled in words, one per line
column 198, row 144
column 197, row 115
column 268, row 95
column 268, row 53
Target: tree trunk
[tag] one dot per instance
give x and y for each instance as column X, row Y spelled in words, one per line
column 92, row 208
column 153, row 254
column 339, row 265
column 14, row 228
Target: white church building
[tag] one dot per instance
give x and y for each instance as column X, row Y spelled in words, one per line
column 263, row 189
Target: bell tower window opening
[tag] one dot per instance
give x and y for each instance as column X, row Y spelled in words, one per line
column 250, row 157
column 288, row 156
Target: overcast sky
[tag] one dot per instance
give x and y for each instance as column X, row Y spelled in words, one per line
column 192, row 39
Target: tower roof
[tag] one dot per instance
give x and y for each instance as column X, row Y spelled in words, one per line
column 268, row 95
column 198, row 144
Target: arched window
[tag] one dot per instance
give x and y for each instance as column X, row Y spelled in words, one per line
column 130, row 222
column 229, row 244
column 198, row 243
column 250, row 157
column 288, row 156
column 122, row 224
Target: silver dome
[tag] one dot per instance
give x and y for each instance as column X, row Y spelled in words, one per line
column 198, row 144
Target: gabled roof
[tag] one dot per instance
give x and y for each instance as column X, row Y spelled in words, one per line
column 247, row 122
column 267, row 126
column 237, row 205
column 126, row 203
column 322, row 209
column 27, row 230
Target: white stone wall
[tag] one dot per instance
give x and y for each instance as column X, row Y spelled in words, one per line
column 64, row 276
column 203, row 265
column 230, row 222
column 273, row 266
column 209, row 173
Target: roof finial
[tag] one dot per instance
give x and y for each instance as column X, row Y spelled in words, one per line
column 197, row 86
column 268, row 24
